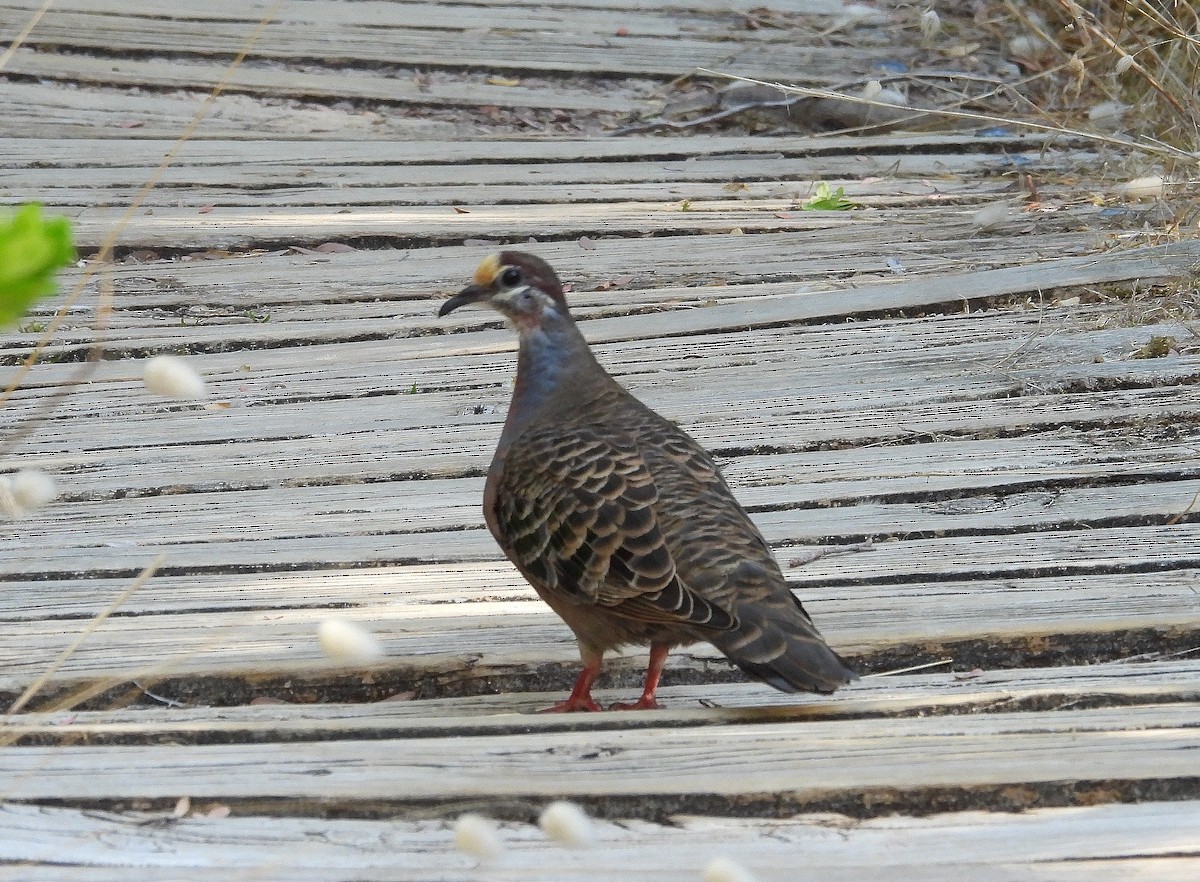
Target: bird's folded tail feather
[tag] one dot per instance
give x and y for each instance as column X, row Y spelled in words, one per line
column 783, row 650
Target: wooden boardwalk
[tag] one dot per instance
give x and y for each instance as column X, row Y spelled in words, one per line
column 977, row 401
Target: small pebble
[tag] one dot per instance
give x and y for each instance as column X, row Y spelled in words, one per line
column 990, row 216
column 1108, row 111
column 1150, row 187
column 872, row 90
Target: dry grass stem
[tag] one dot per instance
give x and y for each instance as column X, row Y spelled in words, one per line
column 104, row 255
column 1141, row 145
column 20, row 38
column 933, row 664
column 99, row 619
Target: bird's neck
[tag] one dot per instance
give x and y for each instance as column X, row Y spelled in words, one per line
column 555, row 371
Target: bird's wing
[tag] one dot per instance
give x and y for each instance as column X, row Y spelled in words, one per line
column 575, row 510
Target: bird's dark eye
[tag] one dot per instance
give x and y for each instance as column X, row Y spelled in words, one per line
column 510, row 277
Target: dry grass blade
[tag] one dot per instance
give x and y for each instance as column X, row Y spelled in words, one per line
column 1151, row 147
column 99, row 619
column 1140, row 54
column 104, row 255
column 20, row 38
column 1088, row 20
column 933, row 664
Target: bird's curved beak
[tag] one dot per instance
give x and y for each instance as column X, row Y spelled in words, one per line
column 469, row 294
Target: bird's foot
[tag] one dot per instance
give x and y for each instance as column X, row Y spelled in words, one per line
column 572, row 705
column 643, row 703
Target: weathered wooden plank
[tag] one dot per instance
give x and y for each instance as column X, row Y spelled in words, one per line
column 326, row 85
column 916, row 470
column 569, row 865
column 711, row 704
column 1103, row 842
column 440, row 519
column 795, row 762
column 574, row 50
column 419, row 13
column 236, row 227
column 254, row 157
column 486, row 622
column 158, row 311
column 401, row 343
column 876, row 194
column 750, row 175
column 751, row 313
column 950, row 609
column 457, row 439
column 39, row 110
column 239, row 227
column 478, row 14
column 1103, row 550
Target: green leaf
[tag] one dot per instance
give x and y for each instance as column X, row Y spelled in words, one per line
column 32, row 250
column 825, row 199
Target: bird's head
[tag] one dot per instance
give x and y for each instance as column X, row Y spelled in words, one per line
column 520, row 286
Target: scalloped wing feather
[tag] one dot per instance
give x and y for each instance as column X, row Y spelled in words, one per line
column 577, row 512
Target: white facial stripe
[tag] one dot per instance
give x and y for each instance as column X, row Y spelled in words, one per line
column 513, row 299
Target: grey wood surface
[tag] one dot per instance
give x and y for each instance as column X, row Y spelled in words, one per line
column 970, row 398
column 1098, row 842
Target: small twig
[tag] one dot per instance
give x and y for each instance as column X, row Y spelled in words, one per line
column 1088, row 21
column 1181, row 652
column 1176, row 518
column 1154, row 147
column 828, row 550
column 1037, row 331
column 933, row 664
column 169, row 702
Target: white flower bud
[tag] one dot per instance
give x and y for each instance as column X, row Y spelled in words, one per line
column 347, row 642
column 172, row 377
column 476, row 835
column 931, row 23
column 32, row 489
column 567, row 824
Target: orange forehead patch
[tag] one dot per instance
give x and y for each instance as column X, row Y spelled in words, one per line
column 486, row 273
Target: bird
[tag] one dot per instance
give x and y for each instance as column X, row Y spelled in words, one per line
column 619, row 520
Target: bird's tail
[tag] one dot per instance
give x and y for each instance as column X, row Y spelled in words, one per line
column 781, row 647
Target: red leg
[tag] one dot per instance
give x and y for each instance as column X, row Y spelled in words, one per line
column 580, row 698
column 658, row 658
